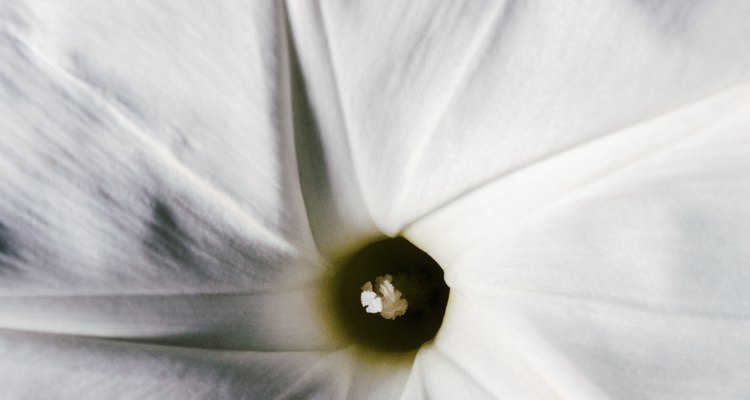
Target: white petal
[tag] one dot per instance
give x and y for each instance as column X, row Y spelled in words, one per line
column 284, row 321
column 41, row 366
column 333, row 195
column 148, row 151
column 614, row 270
column 478, row 356
column 441, row 97
column 38, row 366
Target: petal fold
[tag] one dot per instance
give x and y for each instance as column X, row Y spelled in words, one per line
column 85, row 368
column 613, row 270
column 152, row 157
column 442, row 97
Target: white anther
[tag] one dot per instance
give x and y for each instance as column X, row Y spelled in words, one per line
column 389, row 304
column 370, row 299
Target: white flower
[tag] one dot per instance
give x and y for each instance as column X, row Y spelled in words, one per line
column 176, row 177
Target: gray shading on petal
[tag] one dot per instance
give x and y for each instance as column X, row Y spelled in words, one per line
column 7, row 247
column 131, row 224
column 166, row 240
column 4, row 239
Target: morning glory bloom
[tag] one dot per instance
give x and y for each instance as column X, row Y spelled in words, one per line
column 181, row 179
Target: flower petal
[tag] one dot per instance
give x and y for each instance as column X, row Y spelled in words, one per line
column 338, row 215
column 480, row 357
column 84, row 368
column 39, row 366
column 442, row 97
column 613, row 270
column 151, row 157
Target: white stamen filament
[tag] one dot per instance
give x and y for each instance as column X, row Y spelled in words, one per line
column 389, row 303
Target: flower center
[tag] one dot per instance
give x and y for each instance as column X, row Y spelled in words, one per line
column 398, row 281
column 388, row 302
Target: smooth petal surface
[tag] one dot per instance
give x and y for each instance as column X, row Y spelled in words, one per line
column 41, row 366
column 442, row 97
column 333, row 195
column 616, row 269
column 150, row 183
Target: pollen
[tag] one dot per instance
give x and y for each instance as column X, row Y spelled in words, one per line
column 370, row 300
column 388, row 301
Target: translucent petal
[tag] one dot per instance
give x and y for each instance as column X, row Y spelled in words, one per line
column 441, row 97
column 152, row 157
column 613, row 270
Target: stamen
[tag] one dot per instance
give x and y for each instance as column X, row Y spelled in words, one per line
column 398, row 281
column 370, row 300
column 389, row 303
